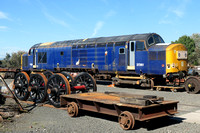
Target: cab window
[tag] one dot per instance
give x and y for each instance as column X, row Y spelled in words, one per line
column 158, row 39
column 121, row 51
column 30, row 52
column 42, row 57
column 150, row 41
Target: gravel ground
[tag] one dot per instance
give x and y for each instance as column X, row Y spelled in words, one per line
column 45, row 119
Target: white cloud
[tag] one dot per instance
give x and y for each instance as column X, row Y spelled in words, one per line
column 165, row 22
column 56, row 20
column 51, row 18
column 70, row 16
column 178, row 13
column 3, row 15
column 173, row 12
column 3, row 27
column 98, row 27
column 180, row 9
column 110, row 14
column 105, row 2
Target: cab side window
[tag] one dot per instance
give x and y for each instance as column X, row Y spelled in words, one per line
column 30, row 52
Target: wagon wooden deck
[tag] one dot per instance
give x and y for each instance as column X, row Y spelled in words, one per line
column 128, row 107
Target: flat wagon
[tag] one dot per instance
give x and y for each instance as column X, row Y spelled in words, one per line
column 127, row 107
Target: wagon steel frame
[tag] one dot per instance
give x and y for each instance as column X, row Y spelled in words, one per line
column 110, row 104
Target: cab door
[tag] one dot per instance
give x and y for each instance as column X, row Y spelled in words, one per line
column 34, row 58
column 131, row 64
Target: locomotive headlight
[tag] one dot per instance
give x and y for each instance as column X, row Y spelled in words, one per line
column 168, row 66
column 164, row 75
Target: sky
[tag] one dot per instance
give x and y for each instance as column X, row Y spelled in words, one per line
column 24, row 23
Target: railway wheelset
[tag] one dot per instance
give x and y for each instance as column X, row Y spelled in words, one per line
column 41, row 86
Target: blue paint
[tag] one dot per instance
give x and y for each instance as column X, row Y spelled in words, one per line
column 107, row 58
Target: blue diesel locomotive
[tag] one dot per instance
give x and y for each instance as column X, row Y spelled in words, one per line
column 143, row 59
column 136, row 56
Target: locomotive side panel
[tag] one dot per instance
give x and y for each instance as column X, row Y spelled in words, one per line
column 120, row 60
column 157, row 59
column 60, row 56
column 110, row 57
column 91, row 59
column 100, row 57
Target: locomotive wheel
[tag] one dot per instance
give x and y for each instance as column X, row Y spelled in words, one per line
column 69, row 77
column 48, row 74
column 37, row 85
column 20, row 87
column 72, row 109
column 192, row 85
column 87, row 80
column 56, row 86
column 126, row 120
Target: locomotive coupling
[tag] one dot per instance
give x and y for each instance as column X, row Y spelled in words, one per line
column 172, row 76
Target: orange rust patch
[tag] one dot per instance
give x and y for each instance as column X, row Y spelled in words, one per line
column 49, row 91
column 29, row 89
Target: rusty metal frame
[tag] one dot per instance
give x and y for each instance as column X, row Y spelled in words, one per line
column 109, row 104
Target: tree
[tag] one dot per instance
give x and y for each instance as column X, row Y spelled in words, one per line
column 190, row 45
column 6, row 60
column 188, row 42
column 13, row 61
column 196, row 38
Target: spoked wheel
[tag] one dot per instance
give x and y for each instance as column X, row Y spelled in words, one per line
column 56, row 86
column 37, row 85
column 192, row 85
column 48, row 74
column 20, row 87
column 126, row 120
column 87, row 80
column 72, row 109
column 69, row 77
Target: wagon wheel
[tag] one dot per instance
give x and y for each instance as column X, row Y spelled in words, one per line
column 69, row 77
column 72, row 109
column 126, row 120
column 48, row 74
column 87, row 80
column 20, row 87
column 37, row 85
column 192, row 85
column 56, row 86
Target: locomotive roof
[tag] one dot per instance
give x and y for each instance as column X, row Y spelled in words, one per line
column 122, row 38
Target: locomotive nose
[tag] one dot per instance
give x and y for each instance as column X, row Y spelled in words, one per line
column 176, row 58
